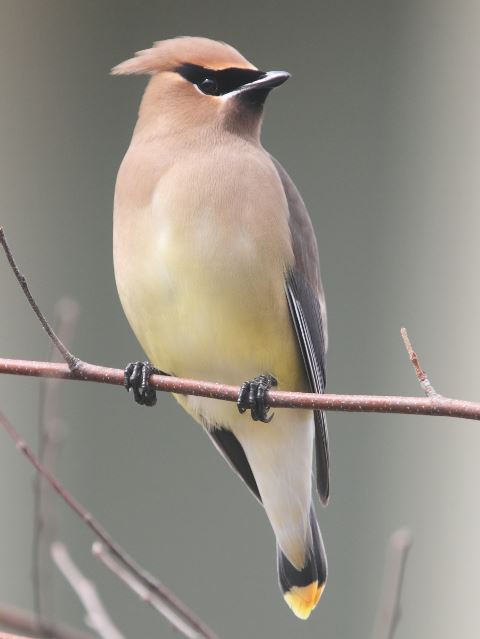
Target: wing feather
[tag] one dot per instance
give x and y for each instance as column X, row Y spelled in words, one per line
column 306, row 303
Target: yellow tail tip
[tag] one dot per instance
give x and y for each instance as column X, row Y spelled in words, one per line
column 303, row 599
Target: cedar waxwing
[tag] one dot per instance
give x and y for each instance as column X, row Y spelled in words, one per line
column 217, row 269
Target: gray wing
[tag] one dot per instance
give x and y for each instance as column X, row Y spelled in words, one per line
column 306, row 302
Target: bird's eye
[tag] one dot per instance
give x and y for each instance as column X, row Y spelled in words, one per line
column 208, row 85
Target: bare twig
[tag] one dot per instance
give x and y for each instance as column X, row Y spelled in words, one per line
column 66, row 311
column 388, row 613
column 419, row 372
column 130, row 580
column 72, row 361
column 438, row 406
column 25, row 622
column 97, row 618
column 150, row 582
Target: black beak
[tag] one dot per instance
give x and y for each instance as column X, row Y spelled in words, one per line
column 269, row 80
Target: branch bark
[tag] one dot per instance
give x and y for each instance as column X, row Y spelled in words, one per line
column 96, row 615
column 422, row 376
column 103, row 554
column 71, row 360
column 49, row 436
column 389, row 609
column 22, row 621
column 435, row 405
column 151, row 583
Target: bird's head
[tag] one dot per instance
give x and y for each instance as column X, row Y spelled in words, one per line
column 197, row 82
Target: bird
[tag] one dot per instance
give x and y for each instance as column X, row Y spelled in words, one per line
column 217, row 269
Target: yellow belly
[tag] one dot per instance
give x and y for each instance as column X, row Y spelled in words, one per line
column 217, row 319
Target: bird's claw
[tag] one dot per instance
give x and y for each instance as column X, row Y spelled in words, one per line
column 136, row 378
column 252, row 397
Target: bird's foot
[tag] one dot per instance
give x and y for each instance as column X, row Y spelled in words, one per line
column 252, row 397
column 136, row 377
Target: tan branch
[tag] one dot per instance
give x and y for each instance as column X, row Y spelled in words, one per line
column 97, row 618
column 25, row 622
column 71, row 360
column 388, row 613
column 101, row 552
column 150, row 582
column 420, row 373
column 49, row 435
column 438, row 406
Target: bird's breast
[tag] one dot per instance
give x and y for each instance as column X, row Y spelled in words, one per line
column 200, row 272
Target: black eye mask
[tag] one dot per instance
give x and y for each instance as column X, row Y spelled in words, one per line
column 213, row 82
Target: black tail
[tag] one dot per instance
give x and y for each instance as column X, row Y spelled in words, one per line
column 303, row 588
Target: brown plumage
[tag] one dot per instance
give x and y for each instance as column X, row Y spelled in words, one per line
column 168, row 54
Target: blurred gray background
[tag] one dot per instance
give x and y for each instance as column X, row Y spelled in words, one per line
column 380, row 128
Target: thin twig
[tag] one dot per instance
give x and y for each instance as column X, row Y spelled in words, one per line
column 150, row 582
column 22, row 621
column 438, row 406
column 101, row 552
column 49, row 426
column 419, row 372
column 388, row 613
column 72, row 361
column 97, row 618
